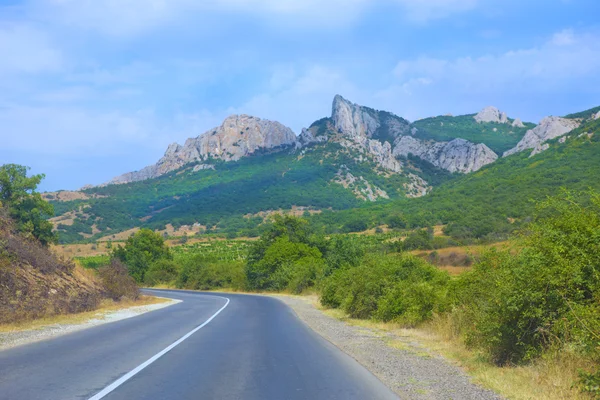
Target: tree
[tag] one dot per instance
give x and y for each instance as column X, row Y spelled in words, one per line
column 141, row 250
column 25, row 205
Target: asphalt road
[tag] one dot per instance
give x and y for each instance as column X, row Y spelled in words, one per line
column 255, row 348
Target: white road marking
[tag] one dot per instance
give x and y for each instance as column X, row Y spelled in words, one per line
column 140, row 367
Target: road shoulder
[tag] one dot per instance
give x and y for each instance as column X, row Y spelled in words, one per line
column 404, row 365
column 48, row 328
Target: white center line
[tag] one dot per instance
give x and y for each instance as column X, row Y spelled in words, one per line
column 140, row 367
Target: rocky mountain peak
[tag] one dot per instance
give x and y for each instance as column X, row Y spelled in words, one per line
column 354, row 121
column 549, row 128
column 237, row 137
column 491, row 114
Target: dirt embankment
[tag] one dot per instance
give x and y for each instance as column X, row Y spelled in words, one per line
column 35, row 283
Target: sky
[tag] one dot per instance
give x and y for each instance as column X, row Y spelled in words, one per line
column 90, row 89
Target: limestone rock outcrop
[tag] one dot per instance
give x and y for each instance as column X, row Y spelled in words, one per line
column 369, row 130
column 237, row 137
column 597, row 115
column 549, row 128
column 517, row 123
column 458, row 155
column 357, row 122
column 491, row 114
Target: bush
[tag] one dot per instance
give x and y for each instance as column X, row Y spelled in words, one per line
column 161, row 271
column 401, row 288
column 198, row 273
column 141, row 250
column 547, row 294
column 117, row 282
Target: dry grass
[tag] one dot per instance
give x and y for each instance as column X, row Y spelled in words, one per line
column 456, row 260
column 80, row 250
column 549, row 378
column 106, row 306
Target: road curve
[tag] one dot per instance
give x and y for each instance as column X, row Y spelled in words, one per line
column 255, row 348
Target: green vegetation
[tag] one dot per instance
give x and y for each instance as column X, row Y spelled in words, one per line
column 141, row 251
column 93, row 262
column 584, row 114
column 221, row 198
column 498, row 137
column 26, row 206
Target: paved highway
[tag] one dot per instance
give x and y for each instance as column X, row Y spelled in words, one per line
column 206, row 347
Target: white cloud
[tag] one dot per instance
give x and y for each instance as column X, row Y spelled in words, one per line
column 27, row 50
column 563, row 59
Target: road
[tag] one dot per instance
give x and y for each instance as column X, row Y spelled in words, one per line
column 254, row 348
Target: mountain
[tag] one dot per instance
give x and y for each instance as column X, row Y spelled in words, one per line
column 239, row 136
column 231, row 178
column 496, row 200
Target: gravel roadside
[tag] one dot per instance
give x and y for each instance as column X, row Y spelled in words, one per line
column 18, row 338
column 409, row 370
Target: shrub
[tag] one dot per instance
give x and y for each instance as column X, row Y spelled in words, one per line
column 117, row 282
column 141, row 250
column 546, row 294
column 198, row 273
column 161, row 271
column 401, row 288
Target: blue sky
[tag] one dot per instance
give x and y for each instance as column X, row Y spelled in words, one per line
column 90, row 89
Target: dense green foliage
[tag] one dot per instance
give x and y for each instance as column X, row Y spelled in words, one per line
column 25, row 205
column 498, row 137
column 141, row 251
column 401, row 288
column 547, row 294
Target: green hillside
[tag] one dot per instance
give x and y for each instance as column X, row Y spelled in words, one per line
column 494, row 201
column 584, row 114
column 222, row 197
column 498, row 137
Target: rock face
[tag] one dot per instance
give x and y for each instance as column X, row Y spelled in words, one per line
column 491, row 114
column 237, row 137
column 359, row 126
column 359, row 123
column 309, row 136
column 517, row 123
column 597, row 115
column 549, row 128
column 458, row 155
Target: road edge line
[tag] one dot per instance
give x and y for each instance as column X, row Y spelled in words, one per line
column 110, row 388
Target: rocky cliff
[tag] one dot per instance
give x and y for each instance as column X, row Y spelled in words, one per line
column 376, row 131
column 549, row 128
column 238, row 136
column 492, row 114
column 360, row 123
column 458, row 155
column 369, row 131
